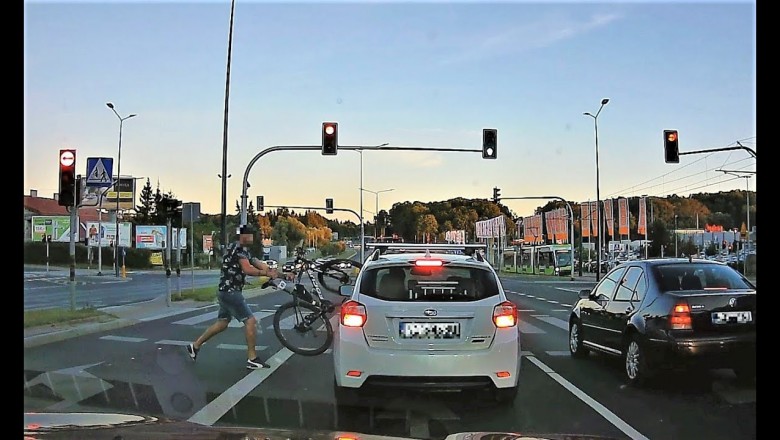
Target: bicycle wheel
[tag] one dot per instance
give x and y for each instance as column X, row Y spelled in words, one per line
column 301, row 328
column 334, row 273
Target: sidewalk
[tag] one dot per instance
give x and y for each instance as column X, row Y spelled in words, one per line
column 125, row 316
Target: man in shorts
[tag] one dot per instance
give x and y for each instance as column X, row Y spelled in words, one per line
column 236, row 265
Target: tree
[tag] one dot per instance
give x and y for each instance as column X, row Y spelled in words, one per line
column 158, row 213
column 288, row 231
column 144, row 211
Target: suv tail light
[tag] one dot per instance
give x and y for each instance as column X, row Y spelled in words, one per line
column 353, row 314
column 505, row 314
column 680, row 318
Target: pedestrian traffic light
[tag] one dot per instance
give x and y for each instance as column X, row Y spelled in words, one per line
column 260, row 203
column 496, row 195
column 489, row 143
column 330, row 138
column 329, row 206
column 671, row 147
column 67, row 189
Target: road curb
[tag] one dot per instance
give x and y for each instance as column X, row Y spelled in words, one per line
column 73, row 332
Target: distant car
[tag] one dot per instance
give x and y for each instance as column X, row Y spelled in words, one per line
column 427, row 320
column 272, row 264
column 669, row 313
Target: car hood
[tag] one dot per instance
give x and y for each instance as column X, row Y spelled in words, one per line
column 41, row 425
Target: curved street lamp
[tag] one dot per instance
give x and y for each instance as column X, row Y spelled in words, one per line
column 116, row 184
column 598, row 195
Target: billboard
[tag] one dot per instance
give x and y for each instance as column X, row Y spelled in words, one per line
column 182, row 242
column 108, row 232
column 58, row 226
column 126, row 187
column 150, row 237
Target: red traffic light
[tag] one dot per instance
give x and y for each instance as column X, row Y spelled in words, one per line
column 671, row 136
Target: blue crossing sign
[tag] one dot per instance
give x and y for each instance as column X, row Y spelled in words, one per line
column 99, row 171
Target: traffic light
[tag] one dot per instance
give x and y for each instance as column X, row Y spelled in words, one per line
column 671, row 147
column 496, row 195
column 330, row 138
column 489, row 143
column 260, row 203
column 67, row 190
column 329, row 206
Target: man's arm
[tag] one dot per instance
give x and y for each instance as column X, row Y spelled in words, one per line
column 250, row 269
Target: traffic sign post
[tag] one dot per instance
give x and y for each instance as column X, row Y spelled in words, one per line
column 99, row 171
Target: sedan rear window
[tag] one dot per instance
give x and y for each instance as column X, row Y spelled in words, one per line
column 697, row 277
column 414, row 283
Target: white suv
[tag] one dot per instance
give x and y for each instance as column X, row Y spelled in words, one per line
column 427, row 316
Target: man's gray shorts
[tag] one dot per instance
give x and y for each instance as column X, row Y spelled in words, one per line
column 233, row 305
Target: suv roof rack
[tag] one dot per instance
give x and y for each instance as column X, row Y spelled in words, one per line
column 475, row 250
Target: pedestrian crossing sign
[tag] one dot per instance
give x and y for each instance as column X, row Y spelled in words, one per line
column 99, row 171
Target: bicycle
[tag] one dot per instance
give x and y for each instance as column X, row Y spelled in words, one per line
column 307, row 310
column 327, row 271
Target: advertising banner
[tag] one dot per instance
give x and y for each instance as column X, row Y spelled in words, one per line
column 126, row 195
column 609, row 217
column 57, row 226
column 150, row 237
column 108, row 232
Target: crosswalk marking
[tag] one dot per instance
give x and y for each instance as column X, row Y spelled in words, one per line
column 568, row 290
column 525, row 327
column 558, row 322
column 173, row 342
column 241, row 347
column 122, row 338
column 558, row 353
column 560, row 310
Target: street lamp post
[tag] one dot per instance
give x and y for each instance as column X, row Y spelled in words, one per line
column 116, row 184
column 675, row 236
column 376, row 208
column 598, row 195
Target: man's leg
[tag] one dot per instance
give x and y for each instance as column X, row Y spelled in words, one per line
column 250, row 330
column 223, row 319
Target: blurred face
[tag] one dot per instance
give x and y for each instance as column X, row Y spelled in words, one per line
column 246, row 239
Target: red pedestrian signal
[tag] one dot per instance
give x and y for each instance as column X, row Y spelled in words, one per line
column 67, row 189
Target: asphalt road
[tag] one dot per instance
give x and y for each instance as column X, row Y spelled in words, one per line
column 145, row 369
column 49, row 289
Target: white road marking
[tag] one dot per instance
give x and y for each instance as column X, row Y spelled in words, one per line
column 558, row 353
column 552, row 301
column 122, row 338
column 211, row 413
column 560, row 310
column 591, row 402
column 528, row 328
column 241, row 347
column 558, row 322
column 526, row 310
column 568, row 290
column 173, row 342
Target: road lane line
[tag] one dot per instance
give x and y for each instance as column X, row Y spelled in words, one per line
column 566, row 305
column 526, row 310
column 591, row 402
column 122, row 338
column 173, row 342
column 528, row 328
column 241, row 347
column 560, row 310
column 568, row 290
column 214, row 410
column 558, row 322
column 558, row 353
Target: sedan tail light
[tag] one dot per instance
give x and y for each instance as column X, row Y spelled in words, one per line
column 505, row 315
column 680, row 318
column 353, row 314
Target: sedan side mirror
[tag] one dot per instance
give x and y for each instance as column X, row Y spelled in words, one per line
column 346, row 290
column 584, row 294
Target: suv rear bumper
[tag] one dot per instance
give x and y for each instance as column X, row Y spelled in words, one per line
column 426, row 369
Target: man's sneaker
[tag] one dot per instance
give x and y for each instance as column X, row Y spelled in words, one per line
column 256, row 363
column 192, row 351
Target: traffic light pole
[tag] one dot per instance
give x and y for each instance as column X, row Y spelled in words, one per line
column 741, row 147
column 245, row 182
column 72, row 248
column 571, row 215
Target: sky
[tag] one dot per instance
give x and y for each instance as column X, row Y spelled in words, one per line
column 427, row 75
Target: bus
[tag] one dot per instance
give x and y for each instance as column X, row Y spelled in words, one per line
column 548, row 259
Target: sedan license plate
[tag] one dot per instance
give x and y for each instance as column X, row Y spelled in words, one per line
column 430, row 330
column 732, row 317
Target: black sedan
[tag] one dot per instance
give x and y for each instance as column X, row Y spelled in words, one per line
column 669, row 313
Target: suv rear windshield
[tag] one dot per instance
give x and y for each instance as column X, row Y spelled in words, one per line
column 414, row 283
column 693, row 276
